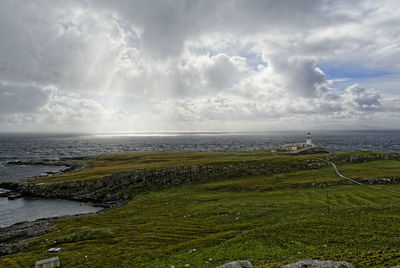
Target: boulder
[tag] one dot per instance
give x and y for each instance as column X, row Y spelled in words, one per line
column 237, row 264
column 319, row 264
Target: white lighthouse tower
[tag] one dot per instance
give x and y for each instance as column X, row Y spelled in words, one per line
column 308, row 140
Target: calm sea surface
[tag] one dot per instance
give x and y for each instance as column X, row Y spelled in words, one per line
column 15, row 147
column 19, row 210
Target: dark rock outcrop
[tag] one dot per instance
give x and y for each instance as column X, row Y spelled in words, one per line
column 69, row 165
column 12, row 238
column 237, row 264
column 383, row 180
column 319, row 264
column 13, row 186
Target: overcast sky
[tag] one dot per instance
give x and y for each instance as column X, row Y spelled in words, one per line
column 114, row 66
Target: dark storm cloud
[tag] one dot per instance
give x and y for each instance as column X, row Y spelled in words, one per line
column 166, row 25
column 302, row 78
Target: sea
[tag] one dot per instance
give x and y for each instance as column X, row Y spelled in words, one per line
column 35, row 146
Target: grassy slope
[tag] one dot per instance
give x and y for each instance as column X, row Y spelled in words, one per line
column 375, row 169
column 270, row 220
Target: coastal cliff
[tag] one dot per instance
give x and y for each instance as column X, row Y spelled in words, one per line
column 117, row 188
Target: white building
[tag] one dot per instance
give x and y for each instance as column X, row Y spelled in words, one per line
column 296, row 146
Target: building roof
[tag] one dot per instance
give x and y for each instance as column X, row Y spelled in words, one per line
column 47, row 260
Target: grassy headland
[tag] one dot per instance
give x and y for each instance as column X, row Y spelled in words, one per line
column 252, row 205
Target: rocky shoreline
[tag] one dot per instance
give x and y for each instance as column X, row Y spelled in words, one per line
column 71, row 164
column 13, row 238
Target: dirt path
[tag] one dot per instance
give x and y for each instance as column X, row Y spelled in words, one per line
column 354, row 181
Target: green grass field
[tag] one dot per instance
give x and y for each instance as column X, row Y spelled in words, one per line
column 375, row 169
column 270, row 220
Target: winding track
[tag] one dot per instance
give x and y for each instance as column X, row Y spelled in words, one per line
column 354, row 181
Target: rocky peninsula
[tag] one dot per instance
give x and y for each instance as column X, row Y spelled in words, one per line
column 112, row 181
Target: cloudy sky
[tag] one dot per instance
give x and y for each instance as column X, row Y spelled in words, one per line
column 197, row 65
